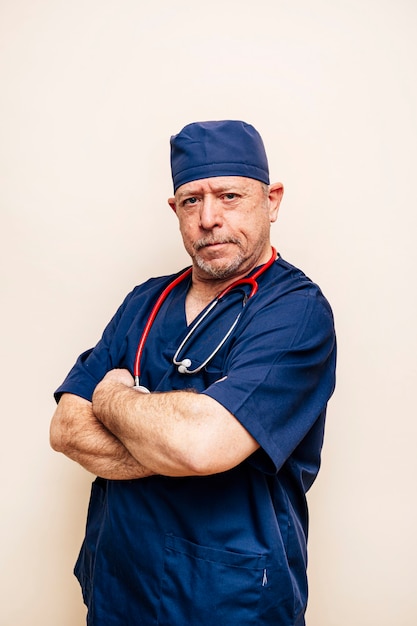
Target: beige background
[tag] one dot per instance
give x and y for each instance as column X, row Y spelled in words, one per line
column 90, row 91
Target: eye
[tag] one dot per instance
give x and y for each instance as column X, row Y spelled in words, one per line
column 191, row 200
column 230, row 196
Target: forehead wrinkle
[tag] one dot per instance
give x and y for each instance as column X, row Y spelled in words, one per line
column 213, row 185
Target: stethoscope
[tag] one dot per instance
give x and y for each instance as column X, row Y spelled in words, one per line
column 185, row 365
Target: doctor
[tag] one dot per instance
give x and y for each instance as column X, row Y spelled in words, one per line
column 198, row 513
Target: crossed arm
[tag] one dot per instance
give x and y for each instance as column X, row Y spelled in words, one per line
column 124, row 434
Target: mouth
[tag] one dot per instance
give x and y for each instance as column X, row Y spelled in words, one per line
column 216, row 245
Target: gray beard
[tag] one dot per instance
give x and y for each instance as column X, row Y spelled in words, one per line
column 220, row 271
column 217, row 272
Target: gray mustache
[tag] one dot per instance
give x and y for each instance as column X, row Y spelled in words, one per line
column 209, row 241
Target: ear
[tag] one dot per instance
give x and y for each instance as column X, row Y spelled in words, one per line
column 276, row 191
column 171, row 202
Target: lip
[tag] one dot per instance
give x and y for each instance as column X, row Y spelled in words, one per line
column 214, row 250
column 217, row 244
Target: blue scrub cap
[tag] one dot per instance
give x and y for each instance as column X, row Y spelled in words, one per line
column 223, row 148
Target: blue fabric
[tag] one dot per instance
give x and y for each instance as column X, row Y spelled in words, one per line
column 228, row 548
column 221, row 148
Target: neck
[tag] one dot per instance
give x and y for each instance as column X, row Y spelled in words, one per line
column 203, row 290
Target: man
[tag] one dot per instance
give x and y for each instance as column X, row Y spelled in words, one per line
column 198, row 515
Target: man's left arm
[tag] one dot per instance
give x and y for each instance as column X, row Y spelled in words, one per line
column 178, row 433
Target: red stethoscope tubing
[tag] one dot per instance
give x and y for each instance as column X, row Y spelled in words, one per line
column 250, row 280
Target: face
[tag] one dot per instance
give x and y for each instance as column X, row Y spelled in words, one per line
column 225, row 223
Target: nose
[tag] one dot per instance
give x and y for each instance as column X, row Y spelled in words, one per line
column 210, row 213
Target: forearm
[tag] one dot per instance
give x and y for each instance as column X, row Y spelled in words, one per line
column 76, row 432
column 139, row 423
column 177, row 433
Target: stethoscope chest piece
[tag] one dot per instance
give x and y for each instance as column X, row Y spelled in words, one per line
column 141, row 389
column 183, row 366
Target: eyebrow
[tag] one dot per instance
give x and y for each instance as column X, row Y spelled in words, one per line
column 188, row 192
column 195, row 192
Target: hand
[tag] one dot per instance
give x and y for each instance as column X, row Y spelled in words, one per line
column 122, row 376
column 107, row 387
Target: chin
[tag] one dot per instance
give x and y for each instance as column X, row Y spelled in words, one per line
column 218, row 269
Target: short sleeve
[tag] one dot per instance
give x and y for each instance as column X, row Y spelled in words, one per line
column 118, row 343
column 281, row 373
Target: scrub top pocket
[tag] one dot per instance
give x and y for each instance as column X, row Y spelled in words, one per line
column 209, row 587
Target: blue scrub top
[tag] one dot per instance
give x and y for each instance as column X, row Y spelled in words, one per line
column 228, row 548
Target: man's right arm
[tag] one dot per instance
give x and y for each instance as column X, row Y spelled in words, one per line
column 77, row 433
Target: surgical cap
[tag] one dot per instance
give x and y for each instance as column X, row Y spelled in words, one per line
column 220, row 148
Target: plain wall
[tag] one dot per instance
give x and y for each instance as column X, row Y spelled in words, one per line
column 90, row 91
